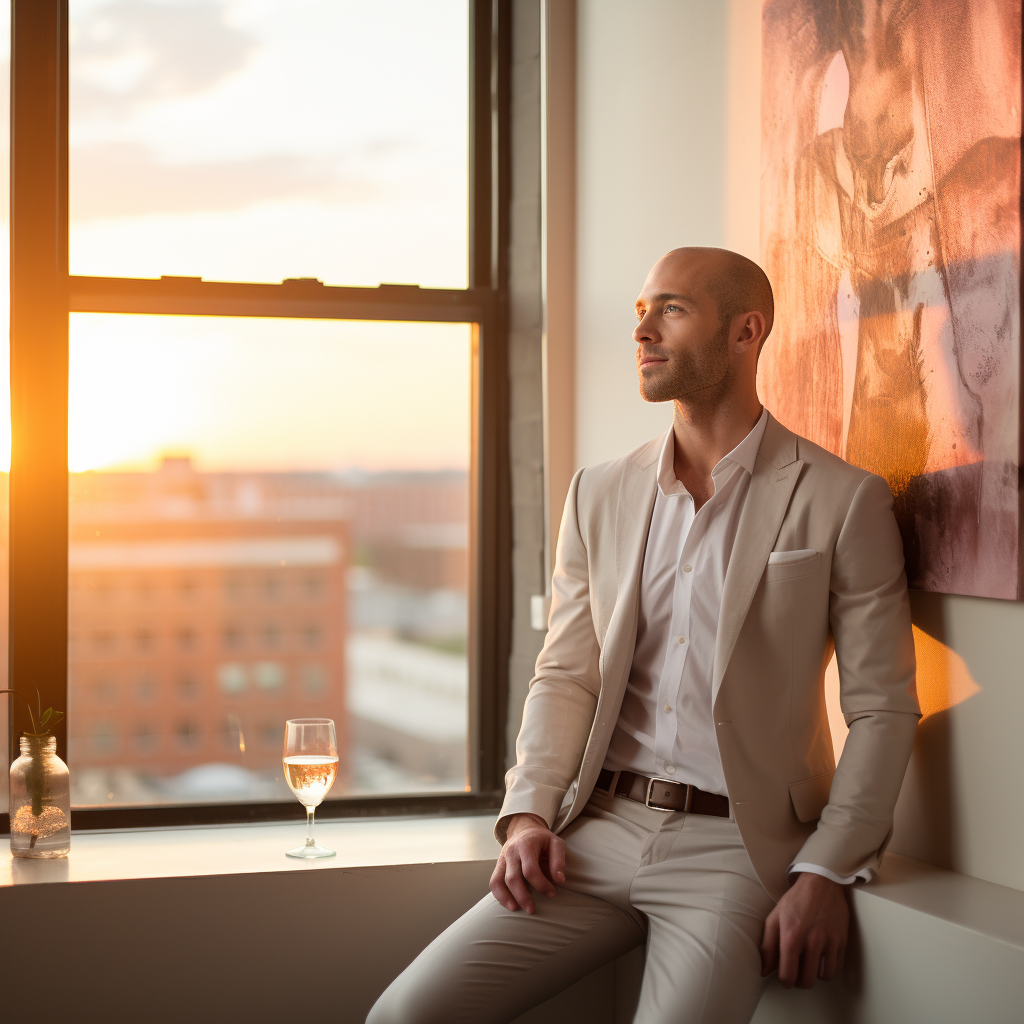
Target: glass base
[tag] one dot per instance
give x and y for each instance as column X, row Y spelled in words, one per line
column 311, row 852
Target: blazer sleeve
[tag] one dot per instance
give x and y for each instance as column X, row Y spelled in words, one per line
column 562, row 698
column 869, row 614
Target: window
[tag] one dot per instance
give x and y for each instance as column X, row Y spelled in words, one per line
column 286, row 471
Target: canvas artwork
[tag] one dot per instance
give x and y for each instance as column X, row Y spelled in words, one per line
column 890, row 229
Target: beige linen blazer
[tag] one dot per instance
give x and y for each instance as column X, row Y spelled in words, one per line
column 779, row 624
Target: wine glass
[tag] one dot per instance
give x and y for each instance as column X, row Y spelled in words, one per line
column 310, row 768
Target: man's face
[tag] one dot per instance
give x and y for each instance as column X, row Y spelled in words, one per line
column 682, row 347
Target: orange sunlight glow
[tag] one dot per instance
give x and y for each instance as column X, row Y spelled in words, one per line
column 943, row 681
column 252, row 394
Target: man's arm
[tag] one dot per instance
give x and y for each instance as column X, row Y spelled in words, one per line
column 560, row 706
column 869, row 615
column 805, row 935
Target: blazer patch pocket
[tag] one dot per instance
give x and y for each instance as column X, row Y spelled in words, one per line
column 809, row 796
column 790, row 565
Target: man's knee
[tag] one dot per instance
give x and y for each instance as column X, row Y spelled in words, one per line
column 399, row 1006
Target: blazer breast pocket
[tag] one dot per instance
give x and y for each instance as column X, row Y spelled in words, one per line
column 791, row 565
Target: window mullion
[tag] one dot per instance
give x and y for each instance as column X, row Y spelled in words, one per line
column 39, row 359
column 306, row 299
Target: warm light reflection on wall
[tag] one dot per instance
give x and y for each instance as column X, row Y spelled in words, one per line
column 943, row 681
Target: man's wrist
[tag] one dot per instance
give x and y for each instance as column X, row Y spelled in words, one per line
column 522, row 820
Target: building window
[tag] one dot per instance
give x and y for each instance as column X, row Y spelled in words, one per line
column 231, row 678
column 187, row 734
column 314, row 680
column 144, row 640
column 231, row 638
column 187, row 638
column 292, row 414
column 103, row 642
column 104, row 737
column 145, row 736
column 145, row 689
column 269, row 675
column 105, row 693
column 189, row 688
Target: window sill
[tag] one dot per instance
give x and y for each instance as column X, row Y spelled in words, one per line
column 252, row 849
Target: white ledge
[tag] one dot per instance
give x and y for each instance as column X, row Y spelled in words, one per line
column 986, row 908
column 248, row 849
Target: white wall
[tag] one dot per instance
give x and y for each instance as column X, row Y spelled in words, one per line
column 651, row 146
column 668, row 155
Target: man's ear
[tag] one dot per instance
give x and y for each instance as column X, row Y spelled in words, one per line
column 752, row 332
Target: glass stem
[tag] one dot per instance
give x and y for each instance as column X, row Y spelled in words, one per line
column 309, row 826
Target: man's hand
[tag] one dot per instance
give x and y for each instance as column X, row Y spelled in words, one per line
column 532, row 854
column 805, row 935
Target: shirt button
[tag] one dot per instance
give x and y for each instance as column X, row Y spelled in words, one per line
column 670, row 768
column 668, row 707
column 680, row 639
column 687, row 568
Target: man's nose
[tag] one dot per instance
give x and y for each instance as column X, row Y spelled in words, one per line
column 643, row 332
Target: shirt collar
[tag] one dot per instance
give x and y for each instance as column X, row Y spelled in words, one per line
column 744, row 454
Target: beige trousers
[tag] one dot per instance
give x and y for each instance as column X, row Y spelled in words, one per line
column 682, row 883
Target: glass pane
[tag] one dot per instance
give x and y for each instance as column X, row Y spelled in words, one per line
column 5, row 366
column 269, row 520
column 256, row 140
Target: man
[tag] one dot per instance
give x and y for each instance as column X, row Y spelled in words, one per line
column 675, row 782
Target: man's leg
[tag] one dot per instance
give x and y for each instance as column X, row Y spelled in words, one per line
column 493, row 964
column 706, row 910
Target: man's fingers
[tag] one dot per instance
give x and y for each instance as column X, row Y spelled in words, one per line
column 499, row 890
column 829, row 963
column 534, row 874
column 556, row 860
column 520, row 891
column 810, row 961
column 770, row 945
column 533, row 857
column 790, row 948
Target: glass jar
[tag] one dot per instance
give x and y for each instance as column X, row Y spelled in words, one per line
column 40, row 800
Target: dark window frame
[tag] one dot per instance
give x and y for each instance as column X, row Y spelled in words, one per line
column 42, row 296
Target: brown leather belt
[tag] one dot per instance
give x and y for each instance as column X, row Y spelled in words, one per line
column 663, row 794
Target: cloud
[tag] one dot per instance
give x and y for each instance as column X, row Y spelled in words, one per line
column 126, row 52
column 124, row 179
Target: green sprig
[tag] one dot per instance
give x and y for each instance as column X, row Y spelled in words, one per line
column 35, row 780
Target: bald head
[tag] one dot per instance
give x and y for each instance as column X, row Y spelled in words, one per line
column 736, row 284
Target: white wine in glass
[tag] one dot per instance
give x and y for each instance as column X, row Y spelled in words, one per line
column 310, row 768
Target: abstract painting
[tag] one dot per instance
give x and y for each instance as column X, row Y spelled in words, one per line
column 890, row 229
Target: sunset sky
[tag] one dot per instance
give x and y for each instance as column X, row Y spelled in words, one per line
column 245, row 393
column 258, row 140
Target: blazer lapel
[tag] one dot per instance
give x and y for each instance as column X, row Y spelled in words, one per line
column 634, row 507
column 771, row 486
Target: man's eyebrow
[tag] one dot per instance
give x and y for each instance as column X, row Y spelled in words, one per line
column 667, row 296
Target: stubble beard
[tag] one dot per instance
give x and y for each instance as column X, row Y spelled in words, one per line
column 692, row 378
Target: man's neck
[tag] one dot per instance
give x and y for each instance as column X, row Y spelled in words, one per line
column 703, row 437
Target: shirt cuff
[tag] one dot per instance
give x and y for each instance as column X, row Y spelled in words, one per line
column 864, row 875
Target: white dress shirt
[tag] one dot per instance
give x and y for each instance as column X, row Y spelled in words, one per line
column 666, row 727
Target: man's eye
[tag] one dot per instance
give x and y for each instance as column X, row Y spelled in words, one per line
column 671, row 309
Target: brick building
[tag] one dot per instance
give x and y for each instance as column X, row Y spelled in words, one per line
column 205, row 609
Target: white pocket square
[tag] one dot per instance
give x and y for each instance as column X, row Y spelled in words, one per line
column 785, row 557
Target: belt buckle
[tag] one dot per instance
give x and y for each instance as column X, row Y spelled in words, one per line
column 667, row 810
